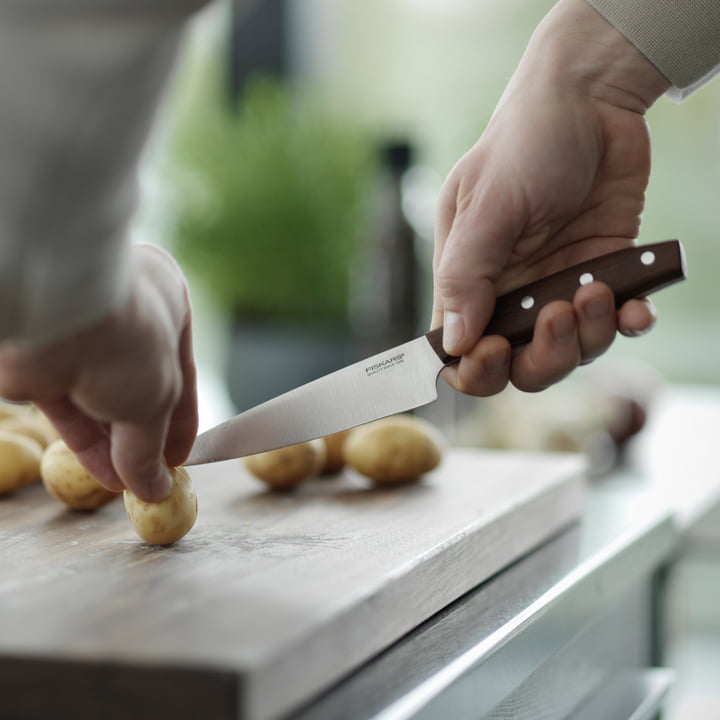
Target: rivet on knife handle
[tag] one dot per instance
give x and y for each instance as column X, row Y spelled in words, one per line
column 630, row 273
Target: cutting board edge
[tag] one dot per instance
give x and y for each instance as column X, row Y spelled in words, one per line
column 260, row 699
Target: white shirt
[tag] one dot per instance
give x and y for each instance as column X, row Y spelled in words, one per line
column 80, row 82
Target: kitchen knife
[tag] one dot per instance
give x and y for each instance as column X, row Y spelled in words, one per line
column 404, row 377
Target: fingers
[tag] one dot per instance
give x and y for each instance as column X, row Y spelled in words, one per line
column 121, row 393
column 86, row 437
column 131, row 407
column 125, row 454
column 565, row 336
column 184, row 421
column 159, row 422
column 597, row 319
column 554, row 352
column 137, row 455
column 471, row 249
column 483, row 371
column 636, row 317
column 121, row 455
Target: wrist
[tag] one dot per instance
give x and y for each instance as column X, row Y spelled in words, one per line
column 577, row 47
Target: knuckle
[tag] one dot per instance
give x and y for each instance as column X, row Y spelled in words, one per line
column 533, row 374
column 137, row 396
column 451, row 278
column 476, row 382
column 137, row 471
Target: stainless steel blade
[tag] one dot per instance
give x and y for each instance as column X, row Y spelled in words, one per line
column 390, row 382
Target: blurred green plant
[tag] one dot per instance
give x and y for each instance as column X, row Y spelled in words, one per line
column 270, row 199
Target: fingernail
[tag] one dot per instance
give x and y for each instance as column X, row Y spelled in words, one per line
column 562, row 327
column 597, row 308
column 496, row 363
column 160, row 488
column 453, row 331
column 636, row 333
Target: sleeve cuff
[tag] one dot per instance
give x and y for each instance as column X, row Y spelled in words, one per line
column 681, row 38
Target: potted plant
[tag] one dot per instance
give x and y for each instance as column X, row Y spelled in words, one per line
column 269, row 204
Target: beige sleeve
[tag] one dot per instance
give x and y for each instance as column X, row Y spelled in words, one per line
column 680, row 37
column 80, row 83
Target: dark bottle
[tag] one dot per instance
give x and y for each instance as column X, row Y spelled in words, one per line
column 388, row 278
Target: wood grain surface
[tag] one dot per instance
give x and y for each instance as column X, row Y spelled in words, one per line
column 271, row 598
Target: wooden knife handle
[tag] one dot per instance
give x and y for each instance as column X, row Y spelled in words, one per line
column 630, row 273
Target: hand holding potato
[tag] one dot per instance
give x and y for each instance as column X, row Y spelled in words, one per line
column 122, row 391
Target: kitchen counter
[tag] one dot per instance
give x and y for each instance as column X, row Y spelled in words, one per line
column 574, row 621
column 677, row 456
column 563, row 624
column 576, row 628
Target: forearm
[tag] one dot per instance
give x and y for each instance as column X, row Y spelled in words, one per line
column 80, row 88
column 680, row 37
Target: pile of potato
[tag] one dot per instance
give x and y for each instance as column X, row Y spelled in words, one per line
column 30, row 451
column 24, row 435
column 394, row 450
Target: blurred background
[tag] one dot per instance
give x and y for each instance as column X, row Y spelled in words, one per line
column 294, row 176
column 304, row 143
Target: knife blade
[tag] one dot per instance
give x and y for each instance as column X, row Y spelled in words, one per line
column 404, row 377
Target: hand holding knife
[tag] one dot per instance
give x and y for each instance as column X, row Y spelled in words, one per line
column 404, row 377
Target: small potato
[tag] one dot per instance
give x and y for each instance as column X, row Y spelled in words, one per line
column 396, row 449
column 69, row 482
column 165, row 522
column 11, row 409
column 19, row 461
column 30, row 425
column 42, row 420
column 334, row 461
column 287, row 467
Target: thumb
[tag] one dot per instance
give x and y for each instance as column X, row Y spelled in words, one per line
column 137, row 456
column 467, row 266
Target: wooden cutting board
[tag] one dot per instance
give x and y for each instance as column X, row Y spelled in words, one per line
column 269, row 600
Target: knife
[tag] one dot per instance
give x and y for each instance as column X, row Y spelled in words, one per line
column 405, row 377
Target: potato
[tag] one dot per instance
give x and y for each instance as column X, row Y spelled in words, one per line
column 165, row 522
column 19, row 461
column 42, row 420
column 69, row 482
column 287, row 467
column 334, row 460
column 10, row 409
column 30, row 425
column 396, row 449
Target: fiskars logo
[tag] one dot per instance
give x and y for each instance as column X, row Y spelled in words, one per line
column 385, row 364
